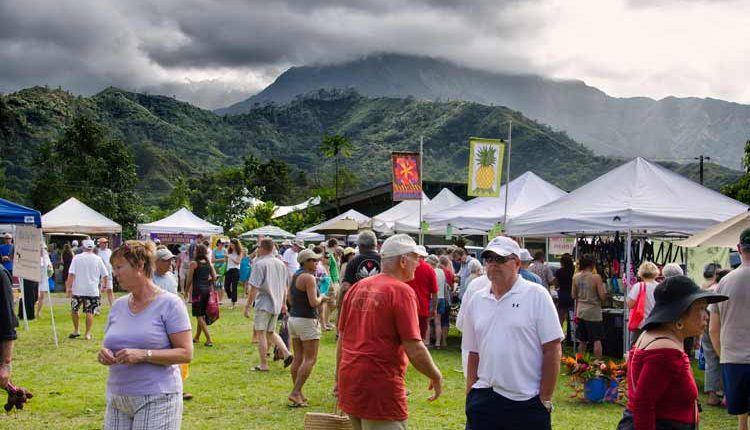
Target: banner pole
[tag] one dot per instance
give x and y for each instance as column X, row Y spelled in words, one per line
column 507, row 177
column 421, row 184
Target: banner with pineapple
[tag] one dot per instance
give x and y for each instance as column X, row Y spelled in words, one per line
column 485, row 166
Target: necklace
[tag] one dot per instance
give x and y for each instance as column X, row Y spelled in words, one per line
column 136, row 307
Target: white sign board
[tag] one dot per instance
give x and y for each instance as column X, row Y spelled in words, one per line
column 561, row 245
column 27, row 248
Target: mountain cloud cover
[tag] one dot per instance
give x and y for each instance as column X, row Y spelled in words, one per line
column 214, row 53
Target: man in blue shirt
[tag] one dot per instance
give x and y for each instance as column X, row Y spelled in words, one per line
column 6, row 252
column 525, row 273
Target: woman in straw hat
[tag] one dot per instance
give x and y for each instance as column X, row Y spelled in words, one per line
column 661, row 388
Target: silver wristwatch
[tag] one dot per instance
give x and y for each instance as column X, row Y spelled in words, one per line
column 548, row 405
column 149, row 354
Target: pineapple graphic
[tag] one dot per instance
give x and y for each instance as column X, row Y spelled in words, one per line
column 485, row 175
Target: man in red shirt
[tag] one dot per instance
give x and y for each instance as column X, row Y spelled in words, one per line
column 425, row 285
column 378, row 336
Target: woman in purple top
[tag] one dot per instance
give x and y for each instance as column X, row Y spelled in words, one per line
column 146, row 337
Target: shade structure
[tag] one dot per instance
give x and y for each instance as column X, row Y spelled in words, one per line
column 527, row 192
column 341, row 226
column 725, row 234
column 385, row 221
column 443, row 200
column 72, row 216
column 267, row 231
column 13, row 213
column 313, row 234
column 638, row 196
column 181, row 222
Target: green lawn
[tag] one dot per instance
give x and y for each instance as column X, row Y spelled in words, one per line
column 69, row 384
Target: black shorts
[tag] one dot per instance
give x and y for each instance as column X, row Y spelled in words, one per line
column 736, row 387
column 200, row 302
column 589, row 331
column 91, row 304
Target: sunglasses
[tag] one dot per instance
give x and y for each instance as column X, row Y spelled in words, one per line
column 497, row 259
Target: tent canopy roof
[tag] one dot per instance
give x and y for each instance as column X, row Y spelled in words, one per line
column 725, row 234
column 310, row 235
column 385, row 221
column 13, row 213
column 443, row 200
column 527, row 192
column 268, row 230
column 72, row 216
column 637, row 196
column 181, row 222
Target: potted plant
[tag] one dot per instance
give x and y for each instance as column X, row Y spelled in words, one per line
column 596, row 380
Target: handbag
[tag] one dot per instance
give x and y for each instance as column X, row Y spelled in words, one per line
column 338, row 420
column 212, row 308
column 637, row 313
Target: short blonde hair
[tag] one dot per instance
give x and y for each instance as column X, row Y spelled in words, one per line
column 137, row 253
column 648, row 270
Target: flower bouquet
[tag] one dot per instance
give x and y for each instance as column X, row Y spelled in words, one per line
column 596, row 380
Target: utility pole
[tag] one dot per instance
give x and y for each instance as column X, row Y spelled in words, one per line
column 701, row 158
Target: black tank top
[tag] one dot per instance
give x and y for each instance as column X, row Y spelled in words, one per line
column 202, row 276
column 300, row 304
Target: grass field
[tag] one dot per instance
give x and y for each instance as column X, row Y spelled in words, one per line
column 68, row 385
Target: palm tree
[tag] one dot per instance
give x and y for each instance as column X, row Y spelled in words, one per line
column 334, row 147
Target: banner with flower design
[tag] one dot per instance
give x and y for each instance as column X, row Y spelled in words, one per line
column 407, row 176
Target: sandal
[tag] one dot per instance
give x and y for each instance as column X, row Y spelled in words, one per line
column 208, row 344
column 74, row 335
column 288, row 361
column 259, row 369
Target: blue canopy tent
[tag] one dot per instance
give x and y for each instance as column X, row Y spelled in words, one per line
column 13, row 213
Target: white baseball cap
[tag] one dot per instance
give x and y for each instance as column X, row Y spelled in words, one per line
column 164, row 254
column 400, row 244
column 525, row 255
column 74, row 243
column 88, row 244
column 503, row 246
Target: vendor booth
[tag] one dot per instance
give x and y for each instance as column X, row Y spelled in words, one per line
column 272, row 231
column 442, row 201
column 638, row 199
column 527, row 192
column 180, row 227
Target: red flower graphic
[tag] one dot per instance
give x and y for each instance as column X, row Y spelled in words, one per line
column 406, row 171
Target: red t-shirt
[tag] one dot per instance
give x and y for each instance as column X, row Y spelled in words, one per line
column 450, row 277
column 664, row 387
column 377, row 314
column 424, row 284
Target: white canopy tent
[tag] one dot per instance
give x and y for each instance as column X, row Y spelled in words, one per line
column 443, row 200
column 384, row 222
column 527, row 192
column 72, row 216
column 309, row 234
column 638, row 196
column 181, row 222
column 267, row 231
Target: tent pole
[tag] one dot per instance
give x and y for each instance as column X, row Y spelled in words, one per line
column 626, row 289
column 507, row 177
column 52, row 315
column 421, row 175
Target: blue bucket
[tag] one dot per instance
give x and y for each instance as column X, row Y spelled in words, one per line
column 597, row 390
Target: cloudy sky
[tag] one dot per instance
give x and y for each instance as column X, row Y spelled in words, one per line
column 214, row 53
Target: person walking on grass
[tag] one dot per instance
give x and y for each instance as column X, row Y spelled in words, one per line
column 220, row 267
column 232, row 279
column 86, row 276
column 378, row 336
column 200, row 276
column 268, row 287
column 105, row 253
column 589, row 293
column 304, row 328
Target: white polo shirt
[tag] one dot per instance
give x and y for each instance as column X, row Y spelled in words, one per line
column 508, row 335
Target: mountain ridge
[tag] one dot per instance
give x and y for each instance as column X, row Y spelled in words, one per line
column 668, row 128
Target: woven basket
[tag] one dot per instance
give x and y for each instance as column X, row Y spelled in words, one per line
column 324, row 421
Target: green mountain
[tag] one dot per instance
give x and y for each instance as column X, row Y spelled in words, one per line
column 172, row 138
column 671, row 128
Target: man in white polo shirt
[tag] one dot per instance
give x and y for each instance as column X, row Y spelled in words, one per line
column 511, row 331
column 86, row 276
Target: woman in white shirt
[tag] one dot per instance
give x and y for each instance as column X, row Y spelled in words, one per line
column 232, row 277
